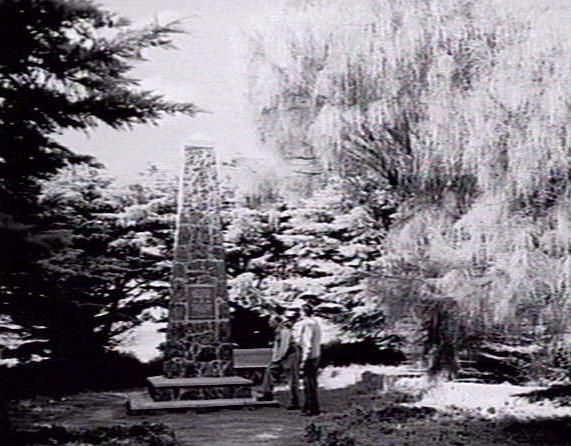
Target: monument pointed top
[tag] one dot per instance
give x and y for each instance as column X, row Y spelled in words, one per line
column 199, row 140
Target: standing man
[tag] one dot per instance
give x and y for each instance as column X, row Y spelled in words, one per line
column 310, row 343
column 285, row 357
column 290, row 361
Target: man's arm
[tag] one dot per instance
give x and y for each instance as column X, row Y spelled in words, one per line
column 306, row 341
column 283, row 347
column 275, row 350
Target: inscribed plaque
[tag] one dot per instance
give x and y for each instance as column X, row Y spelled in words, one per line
column 201, row 301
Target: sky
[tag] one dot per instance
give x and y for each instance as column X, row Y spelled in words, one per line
column 205, row 69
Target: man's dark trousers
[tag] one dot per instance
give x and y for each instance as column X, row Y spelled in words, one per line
column 290, row 366
column 311, row 400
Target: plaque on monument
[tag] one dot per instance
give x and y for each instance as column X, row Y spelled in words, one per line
column 201, row 301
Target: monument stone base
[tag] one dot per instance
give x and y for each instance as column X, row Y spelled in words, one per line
column 166, row 393
column 165, row 389
column 142, row 404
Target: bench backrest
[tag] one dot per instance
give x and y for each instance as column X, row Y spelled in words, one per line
column 245, row 358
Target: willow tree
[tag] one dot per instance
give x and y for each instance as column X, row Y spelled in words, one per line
column 461, row 109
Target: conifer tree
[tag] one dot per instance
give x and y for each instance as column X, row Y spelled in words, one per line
column 64, row 64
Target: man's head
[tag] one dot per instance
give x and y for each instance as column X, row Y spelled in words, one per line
column 291, row 316
column 307, row 310
column 275, row 321
column 309, row 297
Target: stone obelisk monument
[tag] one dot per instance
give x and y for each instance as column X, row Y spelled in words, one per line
column 198, row 351
column 198, row 333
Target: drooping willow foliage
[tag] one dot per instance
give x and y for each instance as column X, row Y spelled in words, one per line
column 463, row 109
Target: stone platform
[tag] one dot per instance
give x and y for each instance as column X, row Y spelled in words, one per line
column 200, row 388
column 142, row 403
column 195, row 393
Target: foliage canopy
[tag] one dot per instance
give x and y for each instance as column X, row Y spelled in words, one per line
column 461, row 110
column 64, row 64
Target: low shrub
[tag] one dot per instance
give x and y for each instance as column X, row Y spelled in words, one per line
column 155, row 366
column 363, row 352
column 559, row 394
column 410, row 426
column 327, row 435
column 250, row 329
column 344, row 429
column 65, row 376
column 144, row 434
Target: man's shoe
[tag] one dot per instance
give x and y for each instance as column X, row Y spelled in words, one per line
column 292, row 407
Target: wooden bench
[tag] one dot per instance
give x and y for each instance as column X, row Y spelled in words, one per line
column 251, row 362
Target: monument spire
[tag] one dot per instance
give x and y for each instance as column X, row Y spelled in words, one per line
column 198, row 333
column 198, row 369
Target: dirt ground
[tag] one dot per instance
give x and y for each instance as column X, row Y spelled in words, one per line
column 228, row 427
column 349, row 412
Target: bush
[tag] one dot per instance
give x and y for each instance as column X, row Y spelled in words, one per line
column 144, row 434
column 64, row 376
column 250, row 329
column 324, row 435
column 154, row 367
column 338, row 430
column 560, row 395
column 499, row 358
column 363, row 352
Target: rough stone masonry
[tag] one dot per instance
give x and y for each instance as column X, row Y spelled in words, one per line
column 198, row 334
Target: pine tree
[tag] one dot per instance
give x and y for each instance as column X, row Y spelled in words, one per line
column 115, row 266
column 65, row 65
